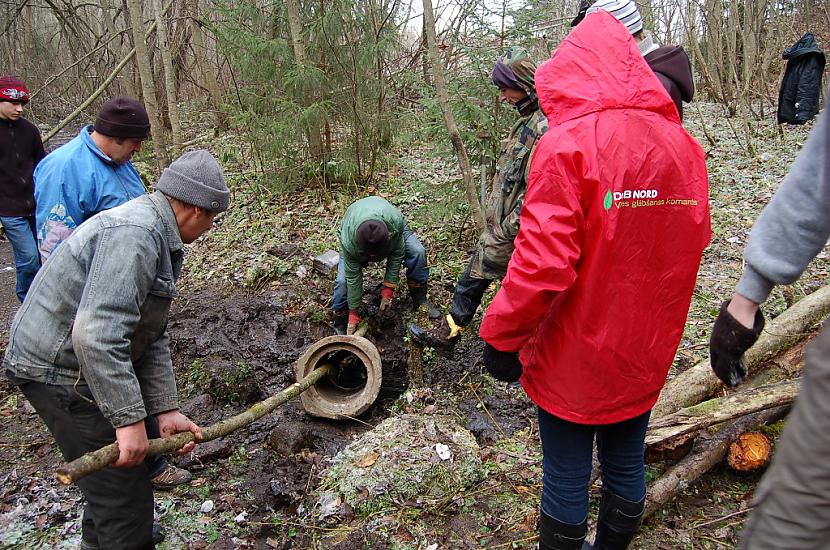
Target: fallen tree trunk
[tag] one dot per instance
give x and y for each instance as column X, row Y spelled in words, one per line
column 96, row 460
column 698, row 383
column 715, row 411
column 709, row 451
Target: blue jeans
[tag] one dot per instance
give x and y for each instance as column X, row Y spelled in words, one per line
column 414, row 259
column 566, row 469
column 21, row 234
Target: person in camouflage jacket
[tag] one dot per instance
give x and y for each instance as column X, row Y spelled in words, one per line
column 513, row 74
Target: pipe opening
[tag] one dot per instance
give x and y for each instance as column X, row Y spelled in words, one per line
column 348, row 374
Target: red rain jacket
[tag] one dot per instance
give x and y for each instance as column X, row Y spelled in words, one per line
column 613, row 227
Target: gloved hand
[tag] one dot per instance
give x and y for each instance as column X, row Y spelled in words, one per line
column 729, row 340
column 502, row 365
column 386, row 294
column 354, row 319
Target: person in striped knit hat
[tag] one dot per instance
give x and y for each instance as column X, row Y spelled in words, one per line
column 670, row 64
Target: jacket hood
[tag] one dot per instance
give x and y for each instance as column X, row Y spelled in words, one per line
column 599, row 66
column 806, row 45
column 673, row 63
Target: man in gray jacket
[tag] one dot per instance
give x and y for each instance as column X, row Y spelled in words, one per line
column 89, row 346
column 792, row 502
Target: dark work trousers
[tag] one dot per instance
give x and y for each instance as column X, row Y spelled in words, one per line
column 119, row 501
column 792, row 501
column 467, row 296
column 567, row 450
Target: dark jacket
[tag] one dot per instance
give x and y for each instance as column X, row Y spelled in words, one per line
column 672, row 67
column 801, row 86
column 20, row 150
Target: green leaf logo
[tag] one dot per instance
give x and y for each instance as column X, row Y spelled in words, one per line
column 609, row 200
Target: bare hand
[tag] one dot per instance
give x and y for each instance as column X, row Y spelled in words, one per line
column 132, row 444
column 173, row 422
column 743, row 310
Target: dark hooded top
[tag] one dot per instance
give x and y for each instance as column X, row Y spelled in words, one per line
column 801, row 87
column 672, row 67
column 20, row 150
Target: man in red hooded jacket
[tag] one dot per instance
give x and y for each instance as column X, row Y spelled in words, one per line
column 593, row 306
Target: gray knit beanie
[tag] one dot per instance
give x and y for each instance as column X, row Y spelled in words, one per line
column 196, row 178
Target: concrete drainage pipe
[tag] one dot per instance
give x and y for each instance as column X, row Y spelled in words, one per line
column 354, row 382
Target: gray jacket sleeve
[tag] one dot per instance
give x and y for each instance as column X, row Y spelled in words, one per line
column 795, row 225
column 108, row 313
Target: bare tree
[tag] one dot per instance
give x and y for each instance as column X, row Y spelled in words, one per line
column 443, row 99
column 145, row 70
column 169, row 78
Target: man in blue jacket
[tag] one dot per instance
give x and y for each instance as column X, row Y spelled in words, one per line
column 88, row 175
column 91, row 173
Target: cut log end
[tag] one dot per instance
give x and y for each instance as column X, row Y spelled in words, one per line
column 751, row 451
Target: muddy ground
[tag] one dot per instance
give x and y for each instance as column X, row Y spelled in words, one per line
column 253, row 489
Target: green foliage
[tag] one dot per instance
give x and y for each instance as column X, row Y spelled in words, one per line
column 327, row 117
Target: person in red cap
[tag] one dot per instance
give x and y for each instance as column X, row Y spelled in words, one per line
column 20, row 150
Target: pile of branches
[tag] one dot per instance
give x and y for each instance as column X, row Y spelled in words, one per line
column 697, row 418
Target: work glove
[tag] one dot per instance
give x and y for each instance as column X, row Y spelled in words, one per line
column 729, row 340
column 386, row 294
column 502, row 365
column 354, row 319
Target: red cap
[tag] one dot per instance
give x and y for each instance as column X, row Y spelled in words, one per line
column 13, row 89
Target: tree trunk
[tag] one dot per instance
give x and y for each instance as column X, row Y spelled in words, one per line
column 699, row 382
column 315, row 139
column 208, row 74
column 169, row 78
column 470, row 186
column 142, row 59
column 715, row 411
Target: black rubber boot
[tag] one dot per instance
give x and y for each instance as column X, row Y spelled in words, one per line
column 440, row 336
column 617, row 522
column 418, row 294
column 556, row 535
column 158, row 533
column 340, row 320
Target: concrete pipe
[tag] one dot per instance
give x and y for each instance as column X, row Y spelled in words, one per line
column 354, row 382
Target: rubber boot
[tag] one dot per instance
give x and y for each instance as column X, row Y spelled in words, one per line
column 444, row 335
column 340, row 321
column 418, row 293
column 557, row 535
column 617, row 522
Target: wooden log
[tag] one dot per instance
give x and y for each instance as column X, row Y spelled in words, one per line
column 96, row 460
column 709, row 450
column 750, row 452
column 699, row 382
column 715, row 411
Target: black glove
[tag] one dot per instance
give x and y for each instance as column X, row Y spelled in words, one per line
column 502, row 365
column 729, row 340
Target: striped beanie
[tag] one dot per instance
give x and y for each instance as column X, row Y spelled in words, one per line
column 625, row 11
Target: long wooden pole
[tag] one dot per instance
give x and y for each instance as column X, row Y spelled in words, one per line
column 96, row 460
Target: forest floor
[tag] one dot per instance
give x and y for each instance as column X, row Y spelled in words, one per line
column 251, row 304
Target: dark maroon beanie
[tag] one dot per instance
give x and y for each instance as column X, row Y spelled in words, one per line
column 123, row 117
column 372, row 237
column 13, row 89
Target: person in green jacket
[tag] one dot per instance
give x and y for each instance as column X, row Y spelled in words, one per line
column 373, row 230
